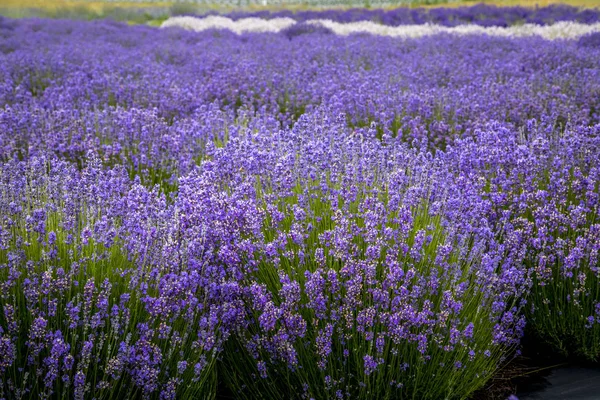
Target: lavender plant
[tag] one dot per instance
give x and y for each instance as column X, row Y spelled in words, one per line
column 546, row 189
column 99, row 297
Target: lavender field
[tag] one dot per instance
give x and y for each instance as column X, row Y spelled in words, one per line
column 302, row 211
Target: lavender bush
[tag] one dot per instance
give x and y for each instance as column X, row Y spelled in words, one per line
column 100, row 296
column 546, row 188
column 294, row 215
column 363, row 283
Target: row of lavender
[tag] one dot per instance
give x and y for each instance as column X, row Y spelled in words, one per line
column 322, row 217
column 480, row 14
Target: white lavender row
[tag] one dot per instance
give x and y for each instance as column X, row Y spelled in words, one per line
column 558, row 30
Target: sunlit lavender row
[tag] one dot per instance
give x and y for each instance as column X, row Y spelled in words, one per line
column 291, row 215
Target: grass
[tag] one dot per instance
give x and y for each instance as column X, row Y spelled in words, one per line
column 100, row 6
column 522, row 3
column 95, row 6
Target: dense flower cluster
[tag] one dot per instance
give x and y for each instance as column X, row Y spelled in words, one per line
column 480, row 14
column 294, row 214
column 100, row 292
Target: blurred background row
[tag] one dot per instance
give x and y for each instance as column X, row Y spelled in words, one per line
column 154, row 12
